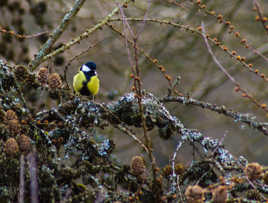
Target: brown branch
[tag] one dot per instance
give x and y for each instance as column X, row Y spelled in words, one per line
column 259, row 11
column 238, row 87
column 137, row 89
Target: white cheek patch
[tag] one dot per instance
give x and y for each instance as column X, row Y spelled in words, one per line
column 85, row 68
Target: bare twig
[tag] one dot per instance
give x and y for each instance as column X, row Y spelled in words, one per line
column 132, row 135
column 259, row 11
column 124, row 128
column 127, row 27
column 196, row 31
column 142, row 51
column 149, row 3
column 174, row 180
column 126, row 24
column 214, row 57
column 137, row 84
column 239, row 88
column 20, row 36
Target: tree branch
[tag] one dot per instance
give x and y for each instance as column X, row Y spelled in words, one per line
column 56, row 34
column 83, row 35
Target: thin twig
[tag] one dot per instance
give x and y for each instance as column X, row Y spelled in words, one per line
column 127, row 27
column 174, row 180
column 148, row 141
column 214, row 57
column 239, row 88
column 137, row 84
column 124, row 128
column 144, row 17
column 142, row 51
column 20, row 36
column 259, row 11
column 196, row 31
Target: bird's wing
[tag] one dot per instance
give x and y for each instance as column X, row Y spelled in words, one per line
column 78, row 81
column 93, row 85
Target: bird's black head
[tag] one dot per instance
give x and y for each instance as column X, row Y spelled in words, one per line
column 89, row 69
column 91, row 65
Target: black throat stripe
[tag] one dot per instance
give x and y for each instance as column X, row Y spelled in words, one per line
column 89, row 74
column 84, row 90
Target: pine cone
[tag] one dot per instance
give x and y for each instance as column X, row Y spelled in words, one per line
column 42, row 75
column 11, row 147
column 54, row 81
column 137, row 165
column 14, row 126
column 24, row 143
column 21, row 73
column 194, row 194
column 10, row 115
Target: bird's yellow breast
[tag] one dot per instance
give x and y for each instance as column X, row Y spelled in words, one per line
column 78, row 81
column 93, row 85
column 84, row 87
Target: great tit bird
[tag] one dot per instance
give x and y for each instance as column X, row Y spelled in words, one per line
column 86, row 81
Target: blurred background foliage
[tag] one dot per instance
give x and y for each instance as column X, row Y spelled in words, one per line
column 182, row 53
